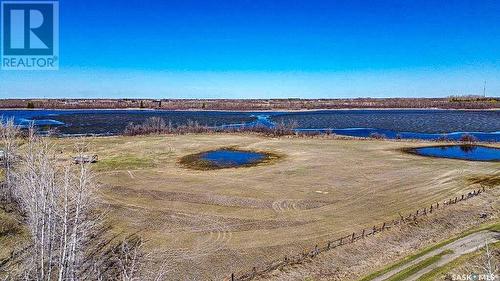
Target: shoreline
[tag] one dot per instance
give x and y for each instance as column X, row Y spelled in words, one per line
column 263, row 110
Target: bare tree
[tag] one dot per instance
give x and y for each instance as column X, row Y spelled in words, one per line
column 69, row 239
column 9, row 134
column 58, row 201
column 129, row 257
column 133, row 263
column 489, row 263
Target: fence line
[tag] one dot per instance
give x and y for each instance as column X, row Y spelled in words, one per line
column 349, row 239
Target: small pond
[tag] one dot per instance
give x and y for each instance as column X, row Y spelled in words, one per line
column 464, row 152
column 231, row 158
column 225, row 158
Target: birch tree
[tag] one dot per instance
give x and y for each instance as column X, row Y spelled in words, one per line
column 69, row 239
column 489, row 264
column 9, row 134
column 58, row 200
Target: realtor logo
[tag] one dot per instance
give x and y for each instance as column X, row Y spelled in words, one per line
column 30, row 35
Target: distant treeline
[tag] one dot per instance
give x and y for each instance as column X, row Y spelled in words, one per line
column 454, row 102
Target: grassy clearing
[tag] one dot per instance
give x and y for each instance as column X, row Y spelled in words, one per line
column 402, row 275
column 490, row 226
column 440, row 272
column 124, row 162
column 264, row 212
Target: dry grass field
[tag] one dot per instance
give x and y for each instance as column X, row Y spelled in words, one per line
column 206, row 224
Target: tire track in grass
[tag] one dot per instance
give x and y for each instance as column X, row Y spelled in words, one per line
column 216, row 239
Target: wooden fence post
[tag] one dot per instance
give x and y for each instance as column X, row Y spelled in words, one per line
column 316, row 250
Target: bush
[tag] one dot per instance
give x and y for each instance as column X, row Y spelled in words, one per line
column 157, row 125
column 468, row 138
column 442, row 138
column 377, row 136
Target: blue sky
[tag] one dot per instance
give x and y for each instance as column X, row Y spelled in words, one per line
column 264, row 49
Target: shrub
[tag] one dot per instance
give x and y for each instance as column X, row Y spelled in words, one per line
column 468, row 138
column 157, row 125
column 442, row 138
column 377, row 136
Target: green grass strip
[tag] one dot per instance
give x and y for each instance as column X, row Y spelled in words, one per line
column 436, row 273
column 495, row 226
column 405, row 273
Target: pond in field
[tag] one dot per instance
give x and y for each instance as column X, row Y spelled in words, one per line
column 232, row 158
column 226, row 158
column 464, row 152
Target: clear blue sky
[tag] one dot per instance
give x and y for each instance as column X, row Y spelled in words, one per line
column 253, row 48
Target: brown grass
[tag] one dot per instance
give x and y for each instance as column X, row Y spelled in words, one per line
column 207, row 224
column 354, row 261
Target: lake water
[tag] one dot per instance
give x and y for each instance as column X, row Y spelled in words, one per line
column 464, row 152
column 225, row 158
column 414, row 124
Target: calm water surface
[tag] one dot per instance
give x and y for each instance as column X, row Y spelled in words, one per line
column 232, row 158
column 465, row 152
column 410, row 124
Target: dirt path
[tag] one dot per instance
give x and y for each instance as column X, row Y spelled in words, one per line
column 460, row 247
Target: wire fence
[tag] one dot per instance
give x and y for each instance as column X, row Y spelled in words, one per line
column 348, row 239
